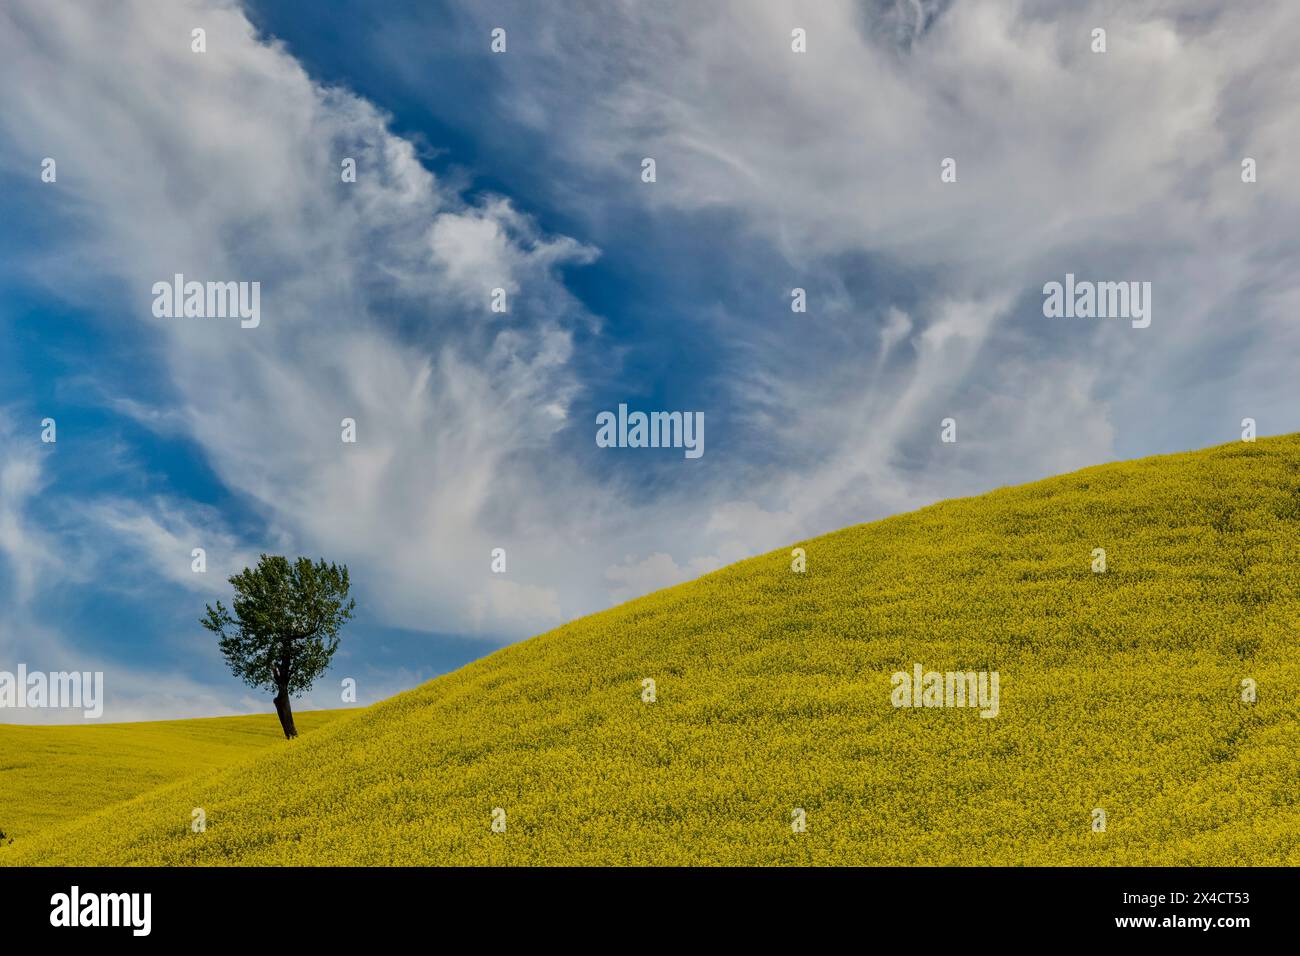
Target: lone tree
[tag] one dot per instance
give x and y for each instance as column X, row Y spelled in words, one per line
column 285, row 628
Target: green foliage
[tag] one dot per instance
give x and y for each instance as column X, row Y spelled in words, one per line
column 286, row 621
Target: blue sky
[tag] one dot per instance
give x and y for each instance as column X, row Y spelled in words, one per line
column 521, row 170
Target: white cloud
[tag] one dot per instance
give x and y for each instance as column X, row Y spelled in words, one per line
column 161, row 536
column 633, row 578
column 375, row 294
column 38, row 571
column 1120, row 165
column 526, row 605
column 26, row 550
column 374, row 307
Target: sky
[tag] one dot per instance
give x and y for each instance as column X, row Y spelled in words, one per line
column 523, row 169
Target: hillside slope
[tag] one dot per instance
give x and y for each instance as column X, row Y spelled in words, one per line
column 1118, row 690
column 51, row 775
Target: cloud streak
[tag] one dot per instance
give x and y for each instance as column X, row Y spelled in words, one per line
column 776, row 170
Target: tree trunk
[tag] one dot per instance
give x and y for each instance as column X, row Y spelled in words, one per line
column 285, row 711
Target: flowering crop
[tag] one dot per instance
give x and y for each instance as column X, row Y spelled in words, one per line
column 1160, row 691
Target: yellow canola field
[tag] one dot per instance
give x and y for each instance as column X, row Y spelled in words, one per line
column 50, row 775
column 1120, row 691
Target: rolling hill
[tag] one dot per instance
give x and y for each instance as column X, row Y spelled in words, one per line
column 1120, row 691
column 50, row 775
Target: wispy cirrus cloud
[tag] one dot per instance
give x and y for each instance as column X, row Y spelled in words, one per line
column 776, row 170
